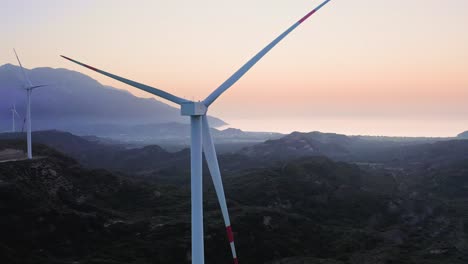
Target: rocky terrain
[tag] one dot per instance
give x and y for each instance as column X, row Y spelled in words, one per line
column 301, row 210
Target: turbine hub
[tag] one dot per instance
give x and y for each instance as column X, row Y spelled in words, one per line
column 193, row 109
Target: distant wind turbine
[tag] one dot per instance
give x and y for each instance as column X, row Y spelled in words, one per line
column 29, row 88
column 13, row 114
column 201, row 140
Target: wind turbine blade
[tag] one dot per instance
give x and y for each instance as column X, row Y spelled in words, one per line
column 244, row 69
column 38, row 86
column 16, row 113
column 213, row 166
column 26, row 78
column 140, row 86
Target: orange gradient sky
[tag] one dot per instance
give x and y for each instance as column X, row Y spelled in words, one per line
column 357, row 67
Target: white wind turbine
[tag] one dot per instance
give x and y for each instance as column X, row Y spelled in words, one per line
column 13, row 114
column 29, row 88
column 201, row 140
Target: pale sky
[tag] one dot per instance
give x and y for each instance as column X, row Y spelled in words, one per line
column 378, row 67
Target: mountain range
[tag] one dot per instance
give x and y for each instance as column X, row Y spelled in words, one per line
column 363, row 149
column 463, row 135
column 302, row 210
column 159, row 162
column 77, row 103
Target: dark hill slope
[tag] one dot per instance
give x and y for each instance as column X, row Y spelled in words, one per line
column 436, row 154
column 313, row 210
column 53, row 211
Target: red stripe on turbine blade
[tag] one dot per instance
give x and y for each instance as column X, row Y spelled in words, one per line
column 230, row 234
column 236, row 261
column 307, row 16
column 90, row 67
column 87, row 66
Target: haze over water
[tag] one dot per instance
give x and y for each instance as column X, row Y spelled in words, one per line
column 398, row 128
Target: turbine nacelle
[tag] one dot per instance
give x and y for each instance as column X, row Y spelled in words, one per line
column 35, row 86
column 193, row 109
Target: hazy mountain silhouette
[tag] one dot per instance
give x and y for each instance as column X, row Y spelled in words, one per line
column 76, row 101
column 299, row 144
column 463, row 135
column 360, row 148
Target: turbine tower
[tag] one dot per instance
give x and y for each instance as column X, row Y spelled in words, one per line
column 201, row 140
column 29, row 88
column 13, row 114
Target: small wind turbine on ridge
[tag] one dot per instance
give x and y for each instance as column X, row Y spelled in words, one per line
column 13, row 114
column 29, row 88
column 201, row 140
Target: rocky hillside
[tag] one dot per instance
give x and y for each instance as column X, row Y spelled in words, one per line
column 56, row 212
column 311, row 210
